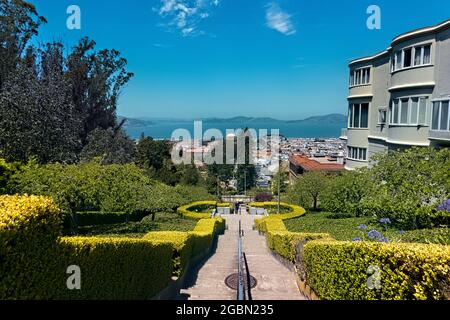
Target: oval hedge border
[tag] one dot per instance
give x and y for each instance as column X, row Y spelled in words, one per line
column 187, row 212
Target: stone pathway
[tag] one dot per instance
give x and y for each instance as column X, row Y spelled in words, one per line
column 275, row 281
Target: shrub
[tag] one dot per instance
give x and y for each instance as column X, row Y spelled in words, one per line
column 115, row 268
column 339, row 270
column 280, row 239
column 29, row 227
column 33, row 260
column 182, row 244
column 263, row 197
column 289, row 211
column 204, row 233
column 196, row 210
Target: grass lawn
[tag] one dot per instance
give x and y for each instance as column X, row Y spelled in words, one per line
column 163, row 222
column 347, row 229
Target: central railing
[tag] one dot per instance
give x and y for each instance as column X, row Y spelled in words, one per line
column 243, row 271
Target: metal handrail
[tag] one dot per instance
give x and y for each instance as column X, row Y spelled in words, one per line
column 240, row 287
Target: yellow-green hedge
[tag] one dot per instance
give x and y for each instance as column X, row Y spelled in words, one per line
column 187, row 212
column 116, row 268
column 182, row 245
column 282, row 241
column 294, row 210
column 34, row 260
column 204, row 233
column 29, row 227
column 187, row 245
column 339, row 270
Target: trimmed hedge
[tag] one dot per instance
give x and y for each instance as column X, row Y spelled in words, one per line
column 34, row 260
column 282, row 241
column 188, row 210
column 115, row 268
column 291, row 211
column 91, row 218
column 339, row 270
column 187, row 245
column 29, row 227
column 181, row 243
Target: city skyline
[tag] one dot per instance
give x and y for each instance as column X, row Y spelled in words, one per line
column 197, row 59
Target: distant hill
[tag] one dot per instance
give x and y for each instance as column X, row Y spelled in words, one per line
column 329, row 118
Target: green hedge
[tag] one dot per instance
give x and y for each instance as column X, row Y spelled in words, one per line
column 181, row 243
column 115, row 269
column 91, row 218
column 282, row 241
column 339, row 270
column 34, row 260
column 187, row 245
column 196, row 210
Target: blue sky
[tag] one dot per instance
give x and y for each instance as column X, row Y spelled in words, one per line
column 285, row 59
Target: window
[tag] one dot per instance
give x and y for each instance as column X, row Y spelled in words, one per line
column 412, row 56
column 407, row 62
column 358, row 115
column 360, row 77
column 441, row 116
column 357, row 153
column 382, row 116
column 409, row 111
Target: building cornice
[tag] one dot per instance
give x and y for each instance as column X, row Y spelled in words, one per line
column 401, row 143
column 412, row 86
column 404, row 37
column 360, row 96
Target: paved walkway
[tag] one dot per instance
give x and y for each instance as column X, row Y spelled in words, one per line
column 275, row 281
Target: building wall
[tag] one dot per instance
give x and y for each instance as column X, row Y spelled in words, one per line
column 432, row 81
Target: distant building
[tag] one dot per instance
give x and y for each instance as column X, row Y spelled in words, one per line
column 400, row 97
column 298, row 165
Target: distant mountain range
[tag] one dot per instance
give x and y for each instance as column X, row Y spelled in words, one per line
column 325, row 119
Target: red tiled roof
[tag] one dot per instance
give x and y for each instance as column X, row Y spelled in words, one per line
column 313, row 165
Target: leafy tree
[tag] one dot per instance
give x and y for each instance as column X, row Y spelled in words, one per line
column 153, row 154
column 191, row 176
column 282, row 177
column 111, row 145
column 37, row 116
column 344, row 192
column 308, row 188
column 19, row 22
column 96, row 79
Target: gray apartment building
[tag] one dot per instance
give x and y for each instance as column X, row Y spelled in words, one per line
column 400, row 97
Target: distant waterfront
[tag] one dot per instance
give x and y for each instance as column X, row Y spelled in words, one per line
column 164, row 129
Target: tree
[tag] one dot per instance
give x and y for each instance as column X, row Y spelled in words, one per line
column 111, row 145
column 97, row 79
column 37, row 116
column 308, row 188
column 19, row 22
column 190, row 176
column 152, row 154
column 281, row 176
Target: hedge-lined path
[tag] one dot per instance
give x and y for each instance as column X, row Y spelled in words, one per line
column 275, row 281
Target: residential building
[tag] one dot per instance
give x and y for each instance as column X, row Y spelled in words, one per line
column 400, row 97
column 299, row 164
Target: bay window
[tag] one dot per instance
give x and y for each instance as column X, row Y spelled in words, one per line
column 408, row 111
column 441, row 116
column 360, row 76
column 411, row 57
column 355, row 153
column 358, row 115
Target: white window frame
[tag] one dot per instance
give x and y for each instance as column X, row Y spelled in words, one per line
column 364, row 72
column 352, row 115
column 401, row 53
column 409, row 122
column 439, row 103
column 361, row 153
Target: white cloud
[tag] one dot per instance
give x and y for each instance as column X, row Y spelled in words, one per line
column 185, row 15
column 279, row 20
